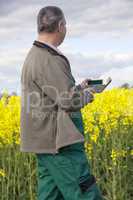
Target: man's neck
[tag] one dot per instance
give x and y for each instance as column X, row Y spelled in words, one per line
column 47, row 39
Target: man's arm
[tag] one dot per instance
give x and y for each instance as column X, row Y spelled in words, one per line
column 56, row 81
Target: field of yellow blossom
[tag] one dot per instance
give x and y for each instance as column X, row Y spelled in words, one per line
column 108, row 130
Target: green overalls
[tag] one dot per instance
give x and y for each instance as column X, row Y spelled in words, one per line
column 67, row 175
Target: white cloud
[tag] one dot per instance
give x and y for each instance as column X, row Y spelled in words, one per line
column 84, row 17
column 12, row 57
column 119, row 76
column 2, row 77
column 84, row 65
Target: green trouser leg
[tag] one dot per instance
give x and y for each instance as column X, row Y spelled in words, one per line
column 47, row 188
column 66, row 175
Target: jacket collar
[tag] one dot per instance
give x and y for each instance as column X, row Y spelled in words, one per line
column 50, row 49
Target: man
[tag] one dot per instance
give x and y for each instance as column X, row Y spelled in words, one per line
column 51, row 122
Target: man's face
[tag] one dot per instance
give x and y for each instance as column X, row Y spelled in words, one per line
column 62, row 30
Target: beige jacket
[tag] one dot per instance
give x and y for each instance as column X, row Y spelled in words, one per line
column 46, row 124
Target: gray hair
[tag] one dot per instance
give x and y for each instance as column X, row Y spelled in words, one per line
column 48, row 19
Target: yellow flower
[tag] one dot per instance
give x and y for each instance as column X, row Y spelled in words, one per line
column 131, row 153
column 116, row 154
column 109, row 111
column 2, row 173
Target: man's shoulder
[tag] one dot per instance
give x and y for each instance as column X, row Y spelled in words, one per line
column 39, row 52
column 44, row 54
column 40, row 59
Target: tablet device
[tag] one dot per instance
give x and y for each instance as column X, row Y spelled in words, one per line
column 98, row 86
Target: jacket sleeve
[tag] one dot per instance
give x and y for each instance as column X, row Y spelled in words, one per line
column 56, row 81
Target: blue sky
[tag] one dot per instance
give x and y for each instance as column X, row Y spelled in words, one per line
column 98, row 42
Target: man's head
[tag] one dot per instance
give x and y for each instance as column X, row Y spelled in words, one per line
column 51, row 22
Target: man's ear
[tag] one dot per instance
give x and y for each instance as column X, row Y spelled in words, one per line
column 60, row 26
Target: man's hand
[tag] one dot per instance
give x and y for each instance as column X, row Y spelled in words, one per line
column 97, row 88
column 88, row 95
column 84, row 84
